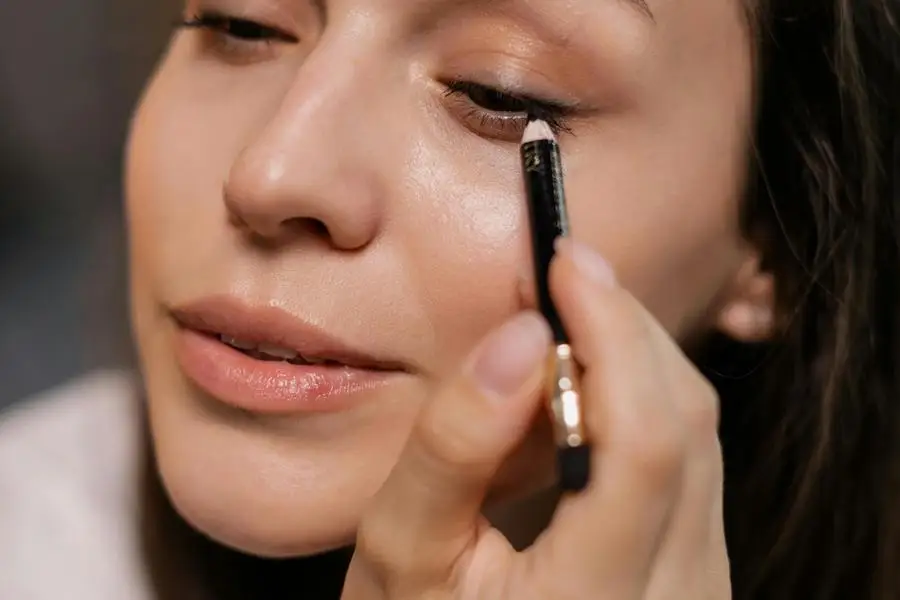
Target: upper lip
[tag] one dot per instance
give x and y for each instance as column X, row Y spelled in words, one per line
column 271, row 325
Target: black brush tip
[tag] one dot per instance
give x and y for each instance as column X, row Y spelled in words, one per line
column 574, row 465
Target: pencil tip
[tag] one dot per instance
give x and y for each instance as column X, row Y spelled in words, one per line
column 538, row 130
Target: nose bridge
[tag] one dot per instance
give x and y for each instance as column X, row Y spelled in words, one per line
column 308, row 161
column 324, row 99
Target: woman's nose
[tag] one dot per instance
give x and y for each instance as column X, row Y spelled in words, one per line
column 312, row 167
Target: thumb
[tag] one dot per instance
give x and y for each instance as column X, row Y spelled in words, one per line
column 427, row 513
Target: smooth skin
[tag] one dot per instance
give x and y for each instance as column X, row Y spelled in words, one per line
column 650, row 524
column 330, row 174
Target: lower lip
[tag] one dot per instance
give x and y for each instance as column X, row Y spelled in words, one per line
column 270, row 387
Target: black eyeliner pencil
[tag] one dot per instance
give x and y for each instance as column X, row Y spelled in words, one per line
column 549, row 220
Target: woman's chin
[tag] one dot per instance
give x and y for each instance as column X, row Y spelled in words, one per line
column 252, row 494
column 274, row 488
column 258, row 537
column 264, row 527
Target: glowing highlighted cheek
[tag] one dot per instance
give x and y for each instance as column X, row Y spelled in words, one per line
column 496, row 221
column 473, row 201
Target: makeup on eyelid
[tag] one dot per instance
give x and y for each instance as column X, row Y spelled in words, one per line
column 272, row 13
column 493, row 110
column 504, row 51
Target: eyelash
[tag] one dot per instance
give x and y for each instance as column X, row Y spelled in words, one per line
column 236, row 38
column 497, row 109
column 501, row 113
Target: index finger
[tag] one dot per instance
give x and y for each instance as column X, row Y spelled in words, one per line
column 606, row 538
column 428, row 511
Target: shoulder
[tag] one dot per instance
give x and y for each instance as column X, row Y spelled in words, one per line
column 42, row 423
column 59, row 441
column 68, row 494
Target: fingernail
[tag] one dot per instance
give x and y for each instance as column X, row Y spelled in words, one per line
column 508, row 357
column 588, row 261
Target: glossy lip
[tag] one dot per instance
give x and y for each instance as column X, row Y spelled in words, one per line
column 262, row 386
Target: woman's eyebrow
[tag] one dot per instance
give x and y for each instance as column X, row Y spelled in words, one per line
column 641, row 6
column 428, row 12
column 559, row 18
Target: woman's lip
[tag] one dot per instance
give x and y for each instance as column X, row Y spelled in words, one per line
column 267, row 386
column 223, row 316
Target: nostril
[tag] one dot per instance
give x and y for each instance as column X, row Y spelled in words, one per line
column 308, row 226
column 275, row 212
column 319, row 228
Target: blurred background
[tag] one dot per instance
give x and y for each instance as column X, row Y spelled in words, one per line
column 70, row 73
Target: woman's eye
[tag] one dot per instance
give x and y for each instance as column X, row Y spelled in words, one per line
column 495, row 100
column 500, row 114
column 238, row 38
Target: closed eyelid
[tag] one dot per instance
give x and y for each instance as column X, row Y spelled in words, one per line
column 487, row 115
column 270, row 13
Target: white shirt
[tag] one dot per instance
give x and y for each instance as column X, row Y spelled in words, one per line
column 68, row 494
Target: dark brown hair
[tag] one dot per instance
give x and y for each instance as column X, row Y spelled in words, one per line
column 810, row 422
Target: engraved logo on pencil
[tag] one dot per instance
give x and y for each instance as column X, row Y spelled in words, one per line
column 532, row 159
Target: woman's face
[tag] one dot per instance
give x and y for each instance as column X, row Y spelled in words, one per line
column 347, row 189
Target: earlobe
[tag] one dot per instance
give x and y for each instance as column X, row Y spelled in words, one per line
column 747, row 313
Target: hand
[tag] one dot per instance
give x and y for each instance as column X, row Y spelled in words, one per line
column 648, row 527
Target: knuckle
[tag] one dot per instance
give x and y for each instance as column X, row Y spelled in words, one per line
column 657, row 449
column 393, row 557
column 447, row 445
column 374, row 546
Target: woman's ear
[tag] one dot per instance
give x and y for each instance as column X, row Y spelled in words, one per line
column 747, row 312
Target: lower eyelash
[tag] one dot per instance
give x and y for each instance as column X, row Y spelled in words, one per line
column 488, row 120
